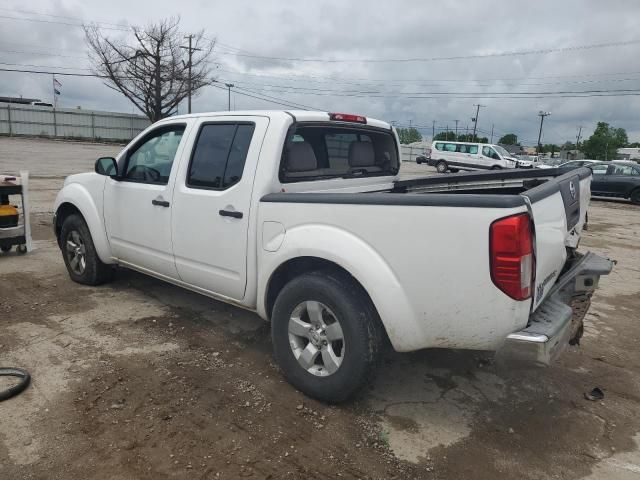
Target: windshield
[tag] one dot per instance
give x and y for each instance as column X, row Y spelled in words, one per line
column 502, row 151
column 319, row 151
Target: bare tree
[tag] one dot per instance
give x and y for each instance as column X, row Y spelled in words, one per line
column 152, row 71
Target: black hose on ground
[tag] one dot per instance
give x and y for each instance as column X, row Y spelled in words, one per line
column 16, row 389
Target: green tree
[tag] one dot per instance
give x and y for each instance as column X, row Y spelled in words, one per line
column 604, row 142
column 509, row 139
column 550, row 148
column 634, row 145
column 468, row 137
column 409, row 135
column 445, row 136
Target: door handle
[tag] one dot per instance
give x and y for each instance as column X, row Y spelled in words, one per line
column 229, row 213
column 160, row 203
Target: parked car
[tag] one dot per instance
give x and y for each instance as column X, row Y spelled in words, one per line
column 271, row 212
column 424, row 158
column 528, row 161
column 616, row 179
column 454, row 156
column 571, row 164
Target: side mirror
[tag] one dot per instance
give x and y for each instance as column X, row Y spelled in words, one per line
column 107, row 166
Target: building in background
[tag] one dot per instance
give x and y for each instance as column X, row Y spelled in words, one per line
column 631, row 153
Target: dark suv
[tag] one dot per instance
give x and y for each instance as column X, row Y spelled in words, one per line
column 616, row 179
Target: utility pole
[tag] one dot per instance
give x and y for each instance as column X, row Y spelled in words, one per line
column 475, row 120
column 446, row 133
column 456, row 129
column 190, row 51
column 229, row 87
column 492, row 125
column 578, row 137
column 541, row 114
column 433, row 131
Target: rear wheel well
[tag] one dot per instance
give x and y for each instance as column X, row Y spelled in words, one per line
column 296, row 267
column 64, row 211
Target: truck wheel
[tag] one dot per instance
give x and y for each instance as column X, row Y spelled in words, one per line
column 326, row 336
column 635, row 196
column 441, row 166
column 80, row 257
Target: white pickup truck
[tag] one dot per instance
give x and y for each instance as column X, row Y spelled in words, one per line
column 301, row 217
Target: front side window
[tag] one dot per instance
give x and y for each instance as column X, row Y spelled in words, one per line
column 490, row 153
column 219, row 155
column 626, row 170
column 151, row 160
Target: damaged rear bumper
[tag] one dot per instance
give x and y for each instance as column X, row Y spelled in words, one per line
column 554, row 324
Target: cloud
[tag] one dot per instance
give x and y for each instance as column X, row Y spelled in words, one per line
column 377, row 29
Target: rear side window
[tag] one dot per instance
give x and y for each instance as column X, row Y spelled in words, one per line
column 219, row 155
column 319, row 151
column 440, row 146
column 450, row 147
column 473, row 149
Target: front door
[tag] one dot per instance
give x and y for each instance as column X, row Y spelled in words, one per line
column 212, row 205
column 137, row 206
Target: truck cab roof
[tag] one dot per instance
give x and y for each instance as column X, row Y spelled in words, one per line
column 298, row 115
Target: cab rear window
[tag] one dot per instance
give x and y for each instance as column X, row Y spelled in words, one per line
column 321, row 151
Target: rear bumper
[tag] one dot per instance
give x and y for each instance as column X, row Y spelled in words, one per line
column 554, row 324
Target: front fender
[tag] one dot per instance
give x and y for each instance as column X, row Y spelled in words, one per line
column 87, row 198
column 357, row 257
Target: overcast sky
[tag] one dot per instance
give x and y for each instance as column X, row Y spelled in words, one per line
column 357, row 31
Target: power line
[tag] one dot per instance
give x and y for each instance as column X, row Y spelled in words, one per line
column 57, row 22
column 31, row 12
column 450, row 58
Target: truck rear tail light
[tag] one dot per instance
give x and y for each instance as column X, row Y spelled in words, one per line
column 511, row 250
column 347, row 117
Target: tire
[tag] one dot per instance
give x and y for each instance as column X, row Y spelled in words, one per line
column 335, row 298
column 22, row 249
column 419, row 162
column 496, row 167
column 635, row 196
column 442, row 166
column 5, row 248
column 454, row 170
column 79, row 253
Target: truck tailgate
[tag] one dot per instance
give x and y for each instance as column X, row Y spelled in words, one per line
column 558, row 208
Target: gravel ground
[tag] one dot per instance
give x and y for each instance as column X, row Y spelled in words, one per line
column 139, row 379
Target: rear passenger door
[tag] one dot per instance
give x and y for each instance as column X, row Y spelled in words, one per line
column 622, row 179
column 599, row 181
column 212, row 205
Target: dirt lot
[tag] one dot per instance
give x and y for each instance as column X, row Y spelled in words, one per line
column 139, row 379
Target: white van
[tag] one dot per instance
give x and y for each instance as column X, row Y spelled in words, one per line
column 454, row 156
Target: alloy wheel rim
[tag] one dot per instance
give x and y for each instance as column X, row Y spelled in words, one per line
column 316, row 338
column 76, row 252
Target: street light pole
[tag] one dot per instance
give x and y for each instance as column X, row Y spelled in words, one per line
column 229, row 87
column 475, row 120
column 541, row 114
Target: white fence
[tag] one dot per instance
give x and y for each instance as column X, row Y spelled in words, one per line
column 31, row 120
